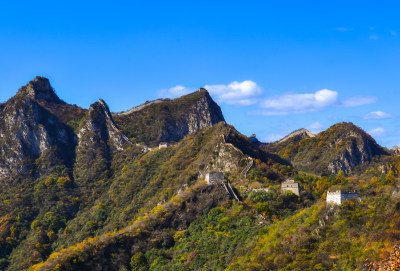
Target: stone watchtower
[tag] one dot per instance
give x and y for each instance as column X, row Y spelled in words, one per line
column 214, row 177
column 290, row 185
column 163, row 145
column 337, row 197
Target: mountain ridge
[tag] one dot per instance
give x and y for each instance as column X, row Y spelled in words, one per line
column 81, row 187
column 301, row 134
column 342, row 147
column 170, row 120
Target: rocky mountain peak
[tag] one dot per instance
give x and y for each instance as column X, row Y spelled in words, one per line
column 347, row 128
column 100, row 107
column 202, row 90
column 395, row 150
column 297, row 135
column 354, row 144
column 166, row 120
column 40, row 89
column 99, row 139
column 100, row 122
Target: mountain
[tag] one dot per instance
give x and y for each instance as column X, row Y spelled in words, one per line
column 39, row 89
column 343, row 147
column 170, row 120
column 69, row 173
column 88, row 189
column 296, row 136
column 28, row 131
column 291, row 139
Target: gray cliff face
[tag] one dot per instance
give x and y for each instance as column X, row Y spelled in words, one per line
column 27, row 132
column 170, row 120
column 98, row 140
column 100, row 126
column 358, row 148
column 202, row 114
column 353, row 155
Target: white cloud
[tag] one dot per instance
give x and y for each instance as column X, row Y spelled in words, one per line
column 377, row 115
column 315, row 127
column 238, row 93
column 300, row 103
column 374, row 37
column 174, row 92
column 378, row 132
column 359, row 100
column 393, row 33
column 250, row 93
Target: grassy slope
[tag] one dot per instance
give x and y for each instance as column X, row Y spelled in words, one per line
column 300, row 232
column 65, row 213
column 230, row 237
column 312, row 238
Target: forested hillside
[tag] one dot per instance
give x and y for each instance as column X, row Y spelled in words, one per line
column 88, row 189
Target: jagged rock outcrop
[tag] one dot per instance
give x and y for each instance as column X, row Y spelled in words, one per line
column 99, row 139
column 100, row 122
column 39, row 89
column 29, row 131
column 170, row 120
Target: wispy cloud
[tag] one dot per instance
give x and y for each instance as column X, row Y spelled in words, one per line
column 378, row 115
column 378, row 132
column 374, row 37
column 236, row 93
column 393, row 33
column 344, row 29
column 315, row 127
column 269, row 113
column 358, row 101
column 299, row 103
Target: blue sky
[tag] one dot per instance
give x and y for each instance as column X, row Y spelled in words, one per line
column 273, row 66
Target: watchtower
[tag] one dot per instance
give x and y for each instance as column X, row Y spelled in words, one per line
column 290, row 185
column 214, row 177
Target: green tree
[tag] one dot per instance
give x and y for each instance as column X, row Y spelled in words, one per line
column 139, row 262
